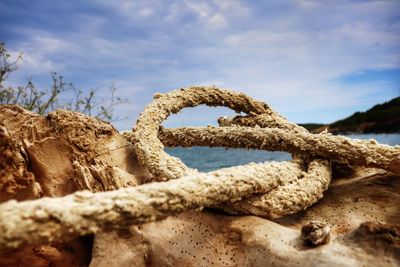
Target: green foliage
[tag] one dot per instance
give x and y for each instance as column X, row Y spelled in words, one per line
column 312, row 126
column 61, row 95
column 381, row 118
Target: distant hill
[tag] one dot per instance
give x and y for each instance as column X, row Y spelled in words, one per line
column 381, row 118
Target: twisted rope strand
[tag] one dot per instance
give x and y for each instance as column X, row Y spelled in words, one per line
column 340, row 149
column 46, row 220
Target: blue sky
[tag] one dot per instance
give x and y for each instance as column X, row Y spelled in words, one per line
column 312, row 61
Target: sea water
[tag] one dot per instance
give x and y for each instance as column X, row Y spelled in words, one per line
column 207, row 159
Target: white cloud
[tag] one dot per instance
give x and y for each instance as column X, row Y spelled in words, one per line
column 287, row 53
column 217, row 21
column 146, row 12
column 50, row 44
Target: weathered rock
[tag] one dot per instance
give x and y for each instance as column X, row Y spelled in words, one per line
column 53, row 156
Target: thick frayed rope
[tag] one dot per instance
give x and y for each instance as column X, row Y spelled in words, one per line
column 151, row 154
column 269, row 189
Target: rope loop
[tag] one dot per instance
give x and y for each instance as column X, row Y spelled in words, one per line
column 304, row 178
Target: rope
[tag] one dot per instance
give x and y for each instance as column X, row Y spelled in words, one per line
column 268, row 189
column 149, row 148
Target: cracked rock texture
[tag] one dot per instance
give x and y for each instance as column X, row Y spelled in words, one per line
column 53, row 156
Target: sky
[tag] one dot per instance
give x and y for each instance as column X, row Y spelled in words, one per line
column 312, row 61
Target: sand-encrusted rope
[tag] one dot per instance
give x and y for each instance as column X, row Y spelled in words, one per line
column 340, row 149
column 145, row 137
column 285, row 136
column 151, row 154
column 149, row 149
column 46, row 220
column 289, row 198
